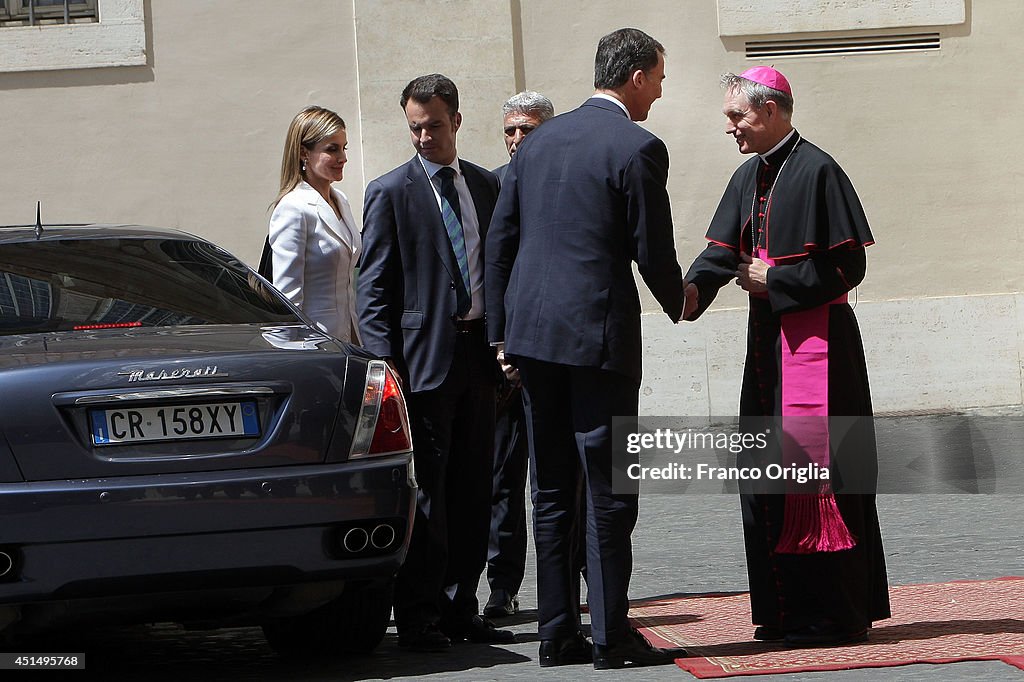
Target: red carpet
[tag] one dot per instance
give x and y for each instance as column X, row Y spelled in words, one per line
column 936, row 623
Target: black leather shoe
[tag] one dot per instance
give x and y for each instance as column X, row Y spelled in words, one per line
column 566, row 651
column 635, row 649
column 478, row 630
column 828, row 634
column 501, row 604
column 766, row 633
column 426, row 638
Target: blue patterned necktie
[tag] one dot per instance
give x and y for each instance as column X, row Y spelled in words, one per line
column 451, row 213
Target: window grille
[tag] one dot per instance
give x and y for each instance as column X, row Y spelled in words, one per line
column 805, row 47
column 47, row 12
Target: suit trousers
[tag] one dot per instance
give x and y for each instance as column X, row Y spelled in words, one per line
column 506, row 555
column 569, row 421
column 453, row 437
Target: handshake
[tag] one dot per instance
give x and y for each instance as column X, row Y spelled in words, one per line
column 751, row 276
column 691, row 299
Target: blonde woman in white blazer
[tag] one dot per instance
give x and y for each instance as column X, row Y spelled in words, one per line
column 313, row 237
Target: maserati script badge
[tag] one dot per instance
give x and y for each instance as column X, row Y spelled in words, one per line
column 180, row 373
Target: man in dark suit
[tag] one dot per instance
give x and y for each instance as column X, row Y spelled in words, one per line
column 583, row 198
column 421, row 303
column 522, row 113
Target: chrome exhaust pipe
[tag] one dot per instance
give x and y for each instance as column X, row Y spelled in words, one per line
column 382, row 536
column 6, row 564
column 355, row 540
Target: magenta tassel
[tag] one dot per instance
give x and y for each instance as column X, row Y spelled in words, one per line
column 812, row 523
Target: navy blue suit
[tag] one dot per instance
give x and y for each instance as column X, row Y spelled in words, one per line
column 506, row 553
column 406, row 290
column 583, row 198
column 407, row 304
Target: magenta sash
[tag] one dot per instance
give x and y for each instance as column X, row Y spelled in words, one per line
column 812, row 522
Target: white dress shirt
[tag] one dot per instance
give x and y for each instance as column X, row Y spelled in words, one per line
column 470, row 229
column 602, row 95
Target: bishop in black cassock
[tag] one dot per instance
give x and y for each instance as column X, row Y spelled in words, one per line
column 790, row 230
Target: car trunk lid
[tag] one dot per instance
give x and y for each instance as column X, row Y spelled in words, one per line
column 167, row 400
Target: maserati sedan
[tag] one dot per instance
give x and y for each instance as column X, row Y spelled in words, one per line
column 179, row 444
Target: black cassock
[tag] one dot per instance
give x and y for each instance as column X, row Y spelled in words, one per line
column 804, row 212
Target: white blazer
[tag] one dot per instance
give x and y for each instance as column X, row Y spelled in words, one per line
column 315, row 255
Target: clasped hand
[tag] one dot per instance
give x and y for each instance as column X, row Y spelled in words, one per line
column 752, row 274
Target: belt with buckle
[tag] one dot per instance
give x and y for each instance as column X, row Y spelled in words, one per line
column 469, row 326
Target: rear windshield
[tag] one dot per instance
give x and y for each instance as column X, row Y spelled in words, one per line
column 68, row 284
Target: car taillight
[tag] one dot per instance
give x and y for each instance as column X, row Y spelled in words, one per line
column 383, row 424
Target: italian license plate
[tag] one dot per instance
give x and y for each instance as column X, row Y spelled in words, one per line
column 122, row 425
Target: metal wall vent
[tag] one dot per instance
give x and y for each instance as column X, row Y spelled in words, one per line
column 910, row 42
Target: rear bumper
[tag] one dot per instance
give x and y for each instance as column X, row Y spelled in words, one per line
column 107, row 538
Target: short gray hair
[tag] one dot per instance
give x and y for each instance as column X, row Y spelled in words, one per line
column 530, row 103
column 758, row 94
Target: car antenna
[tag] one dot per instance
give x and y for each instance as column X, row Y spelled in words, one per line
column 39, row 222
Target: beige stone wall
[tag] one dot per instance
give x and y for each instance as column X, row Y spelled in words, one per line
column 933, row 354
column 470, row 41
column 752, row 17
column 193, row 139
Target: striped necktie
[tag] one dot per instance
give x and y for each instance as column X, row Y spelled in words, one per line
column 451, row 213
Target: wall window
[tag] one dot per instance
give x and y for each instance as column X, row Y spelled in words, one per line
column 43, row 12
column 34, row 35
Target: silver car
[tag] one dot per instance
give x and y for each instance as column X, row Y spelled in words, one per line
column 177, row 443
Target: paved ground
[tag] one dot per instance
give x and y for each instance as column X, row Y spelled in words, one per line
column 683, row 544
column 693, row 544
